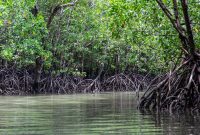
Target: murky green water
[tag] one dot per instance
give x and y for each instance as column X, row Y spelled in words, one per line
column 92, row 114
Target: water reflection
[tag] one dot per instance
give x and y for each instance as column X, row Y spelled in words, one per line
column 183, row 124
column 92, row 114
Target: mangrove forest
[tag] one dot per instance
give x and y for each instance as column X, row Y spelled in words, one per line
column 95, row 67
column 93, row 46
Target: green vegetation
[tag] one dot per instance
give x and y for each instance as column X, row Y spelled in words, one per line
column 68, row 46
column 119, row 34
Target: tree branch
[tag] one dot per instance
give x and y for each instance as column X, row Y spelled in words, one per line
column 56, row 9
column 188, row 26
column 170, row 17
column 176, row 13
column 178, row 25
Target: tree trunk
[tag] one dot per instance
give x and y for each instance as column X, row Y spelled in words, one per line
column 117, row 64
column 4, row 63
column 179, row 89
column 38, row 70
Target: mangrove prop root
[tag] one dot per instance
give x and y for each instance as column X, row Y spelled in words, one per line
column 122, row 82
column 20, row 82
column 178, row 90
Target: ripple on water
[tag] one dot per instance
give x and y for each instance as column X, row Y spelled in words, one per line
column 86, row 114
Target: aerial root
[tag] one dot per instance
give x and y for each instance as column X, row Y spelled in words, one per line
column 123, row 82
column 177, row 90
column 20, row 82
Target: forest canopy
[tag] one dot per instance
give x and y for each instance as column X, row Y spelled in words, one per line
column 81, row 37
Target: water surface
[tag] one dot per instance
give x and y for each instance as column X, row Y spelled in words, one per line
column 88, row 114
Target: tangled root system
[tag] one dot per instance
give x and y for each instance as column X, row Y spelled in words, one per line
column 177, row 90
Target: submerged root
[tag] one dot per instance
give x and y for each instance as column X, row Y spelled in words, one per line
column 178, row 90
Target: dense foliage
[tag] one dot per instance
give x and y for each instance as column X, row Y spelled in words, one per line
column 89, row 35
